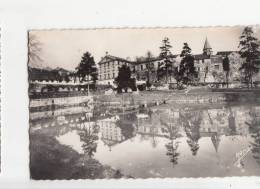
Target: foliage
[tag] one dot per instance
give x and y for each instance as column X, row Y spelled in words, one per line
column 87, row 67
column 165, row 67
column 34, row 49
column 124, row 80
column 249, row 50
column 186, row 73
column 226, row 68
column 150, row 68
column 89, row 138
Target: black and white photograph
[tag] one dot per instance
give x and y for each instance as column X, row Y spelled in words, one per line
column 144, row 102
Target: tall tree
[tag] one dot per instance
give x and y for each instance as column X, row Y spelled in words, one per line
column 123, row 80
column 165, row 54
column 249, row 50
column 226, row 68
column 150, row 68
column 87, row 67
column 187, row 71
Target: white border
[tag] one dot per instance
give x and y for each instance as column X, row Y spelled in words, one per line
column 16, row 17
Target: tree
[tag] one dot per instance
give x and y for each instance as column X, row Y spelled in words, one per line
column 165, row 55
column 150, row 68
column 226, row 68
column 191, row 120
column 249, row 50
column 87, row 67
column 34, row 49
column 123, row 80
column 187, row 71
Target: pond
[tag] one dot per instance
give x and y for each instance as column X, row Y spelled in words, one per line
column 160, row 141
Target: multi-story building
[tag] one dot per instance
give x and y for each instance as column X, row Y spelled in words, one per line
column 108, row 68
column 142, row 69
column 208, row 65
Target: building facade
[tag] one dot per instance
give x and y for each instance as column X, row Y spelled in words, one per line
column 109, row 67
column 209, row 66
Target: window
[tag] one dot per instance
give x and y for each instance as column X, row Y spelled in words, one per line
column 113, row 75
column 202, row 60
column 141, row 67
column 108, row 76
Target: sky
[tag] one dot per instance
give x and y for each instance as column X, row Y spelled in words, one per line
column 64, row 48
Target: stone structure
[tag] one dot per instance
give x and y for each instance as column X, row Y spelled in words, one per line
column 108, row 68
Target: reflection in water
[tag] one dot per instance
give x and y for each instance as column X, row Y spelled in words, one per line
column 191, row 122
column 89, row 137
column 254, row 128
column 150, row 142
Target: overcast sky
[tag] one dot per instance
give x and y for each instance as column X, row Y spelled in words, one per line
column 64, row 48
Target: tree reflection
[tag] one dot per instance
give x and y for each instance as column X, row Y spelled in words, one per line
column 126, row 124
column 254, row 129
column 89, row 137
column 172, row 152
column 191, row 122
column 231, row 122
column 172, row 145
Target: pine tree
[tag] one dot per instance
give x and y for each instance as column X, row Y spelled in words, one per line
column 249, row 50
column 123, row 80
column 165, row 55
column 187, row 71
column 226, row 68
column 87, row 67
column 150, row 68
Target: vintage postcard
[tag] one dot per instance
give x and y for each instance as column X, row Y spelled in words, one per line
column 144, row 102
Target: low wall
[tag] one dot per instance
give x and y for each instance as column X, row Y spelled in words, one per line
column 66, row 101
column 156, row 98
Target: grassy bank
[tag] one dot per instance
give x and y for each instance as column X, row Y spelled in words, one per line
column 51, row 160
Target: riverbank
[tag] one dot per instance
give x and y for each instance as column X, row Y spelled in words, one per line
column 196, row 96
column 51, row 160
column 130, row 101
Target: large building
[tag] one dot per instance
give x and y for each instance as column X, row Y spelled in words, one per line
column 108, row 68
column 141, row 69
column 208, row 65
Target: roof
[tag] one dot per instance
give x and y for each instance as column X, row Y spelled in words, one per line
column 206, row 45
column 201, row 56
column 114, row 58
column 147, row 60
column 141, row 61
column 225, row 53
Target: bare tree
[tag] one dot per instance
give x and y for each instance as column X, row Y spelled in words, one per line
column 34, row 49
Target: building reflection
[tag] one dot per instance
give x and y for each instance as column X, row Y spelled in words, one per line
column 154, row 123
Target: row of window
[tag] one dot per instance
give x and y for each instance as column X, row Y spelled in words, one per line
column 107, row 76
